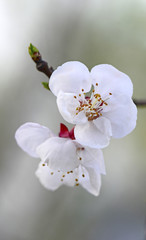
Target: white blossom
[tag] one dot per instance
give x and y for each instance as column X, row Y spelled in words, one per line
column 63, row 159
column 108, row 111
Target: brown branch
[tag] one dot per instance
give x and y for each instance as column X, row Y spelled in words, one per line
column 42, row 66
column 140, row 103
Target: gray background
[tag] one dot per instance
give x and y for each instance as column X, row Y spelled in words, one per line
column 93, row 32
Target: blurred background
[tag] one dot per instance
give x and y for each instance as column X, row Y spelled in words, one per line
column 93, row 32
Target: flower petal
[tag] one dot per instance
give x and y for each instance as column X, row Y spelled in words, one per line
column 30, row 135
column 93, row 158
column 88, row 178
column 71, row 178
column 91, row 180
column 48, row 178
column 59, row 153
column 110, row 79
column 94, row 134
column 67, row 105
column 123, row 116
column 70, row 77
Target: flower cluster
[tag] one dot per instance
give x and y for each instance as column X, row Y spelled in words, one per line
column 99, row 104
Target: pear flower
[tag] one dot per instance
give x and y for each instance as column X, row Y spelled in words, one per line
column 108, row 111
column 63, row 159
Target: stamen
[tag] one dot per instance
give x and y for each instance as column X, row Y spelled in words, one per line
column 91, row 106
column 97, row 95
column 71, row 171
column 94, row 103
column 76, row 180
column 87, row 114
column 77, row 184
column 63, row 175
column 52, row 173
column 83, row 175
column 105, row 103
column 43, row 164
column 80, row 158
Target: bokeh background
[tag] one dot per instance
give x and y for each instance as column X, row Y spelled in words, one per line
column 93, row 32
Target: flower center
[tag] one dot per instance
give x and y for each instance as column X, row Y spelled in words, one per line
column 91, row 106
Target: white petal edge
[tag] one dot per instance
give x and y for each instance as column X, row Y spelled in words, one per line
column 123, row 116
column 94, row 134
column 52, row 180
column 93, row 158
column 71, row 77
column 110, row 79
column 92, row 181
column 48, row 178
column 30, row 135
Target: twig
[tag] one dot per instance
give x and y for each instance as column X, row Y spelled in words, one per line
column 42, row 66
column 140, row 103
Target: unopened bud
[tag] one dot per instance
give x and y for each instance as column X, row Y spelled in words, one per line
column 34, row 53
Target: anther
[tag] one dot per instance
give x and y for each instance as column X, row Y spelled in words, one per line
column 97, row 95
column 71, row 171
column 80, row 158
column 79, row 95
column 76, row 180
column 83, row 175
column 43, row 164
column 75, row 97
column 87, row 114
column 96, row 84
column 110, row 93
column 93, row 90
column 63, row 175
column 68, row 172
column 61, row 180
column 105, row 103
column 77, row 184
column 82, row 90
column 52, row 173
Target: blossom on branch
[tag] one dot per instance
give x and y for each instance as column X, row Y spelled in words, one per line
column 63, row 159
column 107, row 112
